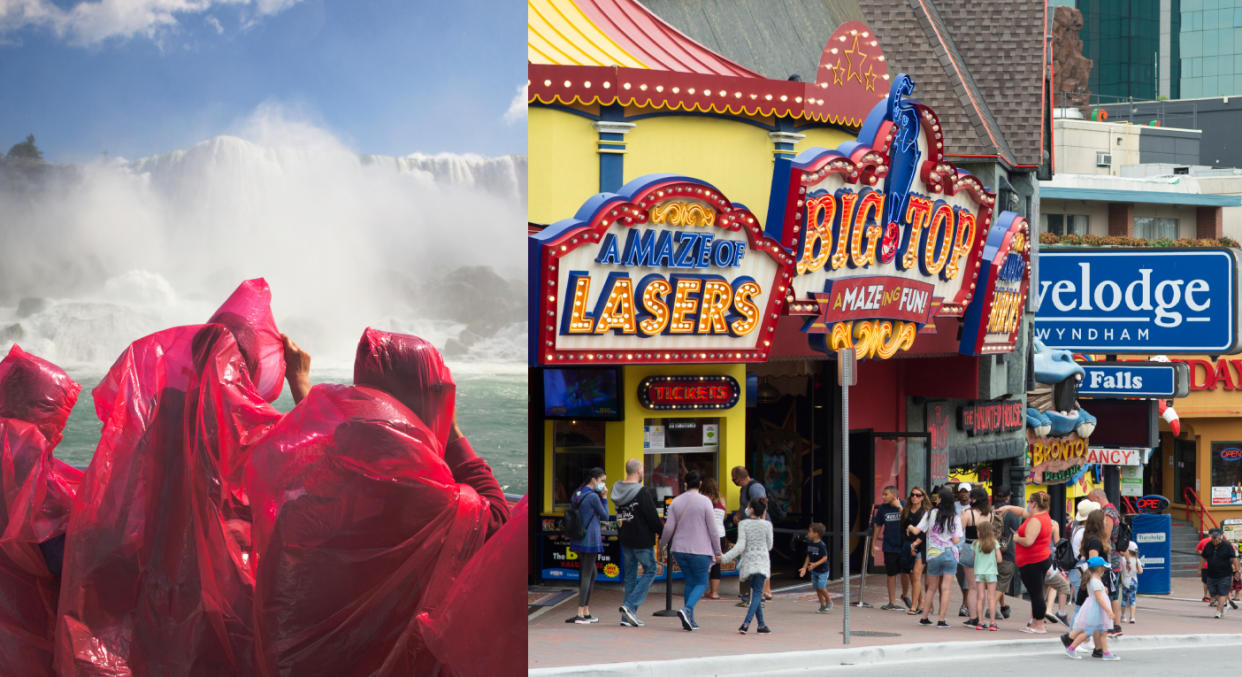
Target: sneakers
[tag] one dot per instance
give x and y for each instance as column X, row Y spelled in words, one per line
column 1005, row 612
column 1072, row 654
column 694, row 626
column 1109, row 656
column 1051, row 619
column 942, row 624
column 763, row 630
column 575, row 619
column 890, row 607
column 741, row 630
column 1218, row 615
column 743, row 604
column 823, row 610
column 981, row 627
column 971, row 621
column 906, row 600
column 963, row 611
column 1060, row 617
column 1233, row 604
column 925, row 621
column 1065, row 640
column 685, row 620
column 630, row 616
column 625, row 623
column 1097, row 653
column 992, row 628
column 583, row 620
column 1115, row 632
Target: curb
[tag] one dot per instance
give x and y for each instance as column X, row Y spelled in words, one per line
column 792, row 662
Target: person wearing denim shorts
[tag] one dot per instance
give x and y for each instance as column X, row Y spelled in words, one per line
column 943, row 534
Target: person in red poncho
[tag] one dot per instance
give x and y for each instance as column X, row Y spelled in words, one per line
column 367, row 505
column 36, row 491
column 156, row 574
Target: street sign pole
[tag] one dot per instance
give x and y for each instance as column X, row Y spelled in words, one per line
column 846, row 376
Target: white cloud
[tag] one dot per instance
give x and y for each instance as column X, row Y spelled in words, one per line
column 215, row 23
column 517, row 107
column 93, row 21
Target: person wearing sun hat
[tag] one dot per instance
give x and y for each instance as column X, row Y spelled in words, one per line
column 1084, row 510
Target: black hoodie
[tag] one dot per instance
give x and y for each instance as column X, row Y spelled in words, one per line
column 636, row 513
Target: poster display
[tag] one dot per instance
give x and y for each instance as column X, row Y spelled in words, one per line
column 1131, row 480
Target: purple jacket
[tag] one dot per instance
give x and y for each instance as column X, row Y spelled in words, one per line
column 692, row 525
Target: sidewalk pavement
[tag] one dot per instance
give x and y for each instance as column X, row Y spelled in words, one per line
column 796, row 627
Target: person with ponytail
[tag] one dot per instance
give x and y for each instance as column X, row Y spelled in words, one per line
column 943, row 530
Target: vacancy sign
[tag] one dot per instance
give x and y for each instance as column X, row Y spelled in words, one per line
column 1114, row 456
column 1138, row 300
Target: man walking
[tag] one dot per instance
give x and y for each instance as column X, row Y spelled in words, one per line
column 690, row 534
column 750, row 490
column 639, row 526
column 1222, row 561
column 888, row 519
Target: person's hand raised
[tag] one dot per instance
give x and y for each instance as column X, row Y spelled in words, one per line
column 297, row 369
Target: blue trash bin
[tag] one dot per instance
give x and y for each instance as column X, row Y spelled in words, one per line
column 1153, row 533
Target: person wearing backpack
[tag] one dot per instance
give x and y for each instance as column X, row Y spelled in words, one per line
column 639, row 526
column 751, row 490
column 582, row 518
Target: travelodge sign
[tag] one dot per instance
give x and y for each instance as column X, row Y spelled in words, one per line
column 666, row 269
column 886, row 234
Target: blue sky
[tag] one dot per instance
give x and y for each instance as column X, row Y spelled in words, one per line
column 133, row 78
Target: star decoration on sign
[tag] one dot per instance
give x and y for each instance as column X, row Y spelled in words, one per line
column 855, row 69
column 870, row 78
column 838, row 73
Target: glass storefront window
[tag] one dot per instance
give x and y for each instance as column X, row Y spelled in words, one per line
column 577, row 446
column 674, row 447
column 1226, row 470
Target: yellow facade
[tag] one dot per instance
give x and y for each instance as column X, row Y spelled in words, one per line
column 564, row 164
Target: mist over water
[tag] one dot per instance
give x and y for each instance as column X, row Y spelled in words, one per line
column 96, row 255
column 108, row 251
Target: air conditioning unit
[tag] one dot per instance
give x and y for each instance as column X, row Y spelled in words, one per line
column 1103, row 159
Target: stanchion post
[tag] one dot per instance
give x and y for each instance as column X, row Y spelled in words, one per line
column 668, row 586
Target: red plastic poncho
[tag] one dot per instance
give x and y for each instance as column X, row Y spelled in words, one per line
column 155, row 579
column 412, row 370
column 36, row 490
column 480, row 626
column 359, row 526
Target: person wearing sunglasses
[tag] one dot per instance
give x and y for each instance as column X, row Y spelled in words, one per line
column 913, row 547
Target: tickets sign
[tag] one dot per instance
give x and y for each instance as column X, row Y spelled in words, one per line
column 688, row 392
column 886, row 213
column 667, row 269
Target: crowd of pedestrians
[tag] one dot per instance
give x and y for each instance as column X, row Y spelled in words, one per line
column 1084, row 577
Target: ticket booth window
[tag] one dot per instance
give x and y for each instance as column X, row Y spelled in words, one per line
column 674, row 447
column 577, row 446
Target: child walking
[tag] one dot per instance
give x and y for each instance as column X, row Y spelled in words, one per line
column 817, row 563
column 754, row 540
column 1094, row 616
column 1131, row 567
column 987, row 561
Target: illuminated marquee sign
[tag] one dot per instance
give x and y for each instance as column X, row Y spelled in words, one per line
column 994, row 317
column 688, row 392
column 885, row 233
column 667, row 269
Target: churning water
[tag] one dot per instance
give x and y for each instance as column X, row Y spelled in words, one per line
column 95, row 255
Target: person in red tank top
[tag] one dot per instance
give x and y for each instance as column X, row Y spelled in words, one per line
column 1032, row 555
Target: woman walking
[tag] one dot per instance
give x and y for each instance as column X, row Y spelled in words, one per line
column 913, row 547
column 588, row 500
column 943, row 530
column 754, row 540
column 711, row 491
column 1031, row 554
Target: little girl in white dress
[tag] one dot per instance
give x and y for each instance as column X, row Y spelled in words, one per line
column 1094, row 617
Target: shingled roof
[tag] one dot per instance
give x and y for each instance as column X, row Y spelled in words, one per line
column 981, row 70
